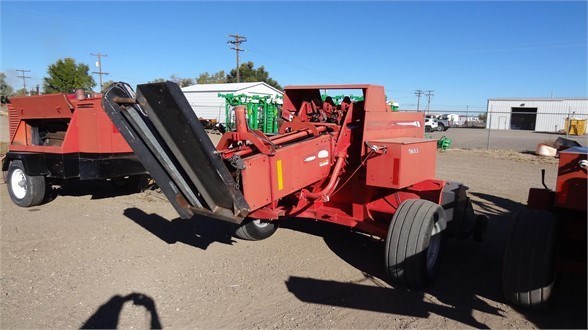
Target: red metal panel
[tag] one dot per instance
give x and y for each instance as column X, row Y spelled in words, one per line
column 13, row 120
column 380, row 125
column 256, row 178
column 571, row 189
column 269, row 178
column 375, row 99
column 406, row 162
column 89, row 131
column 42, row 106
column 299, row 165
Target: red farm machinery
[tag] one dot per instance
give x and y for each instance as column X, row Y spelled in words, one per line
column 57, row 137
column 357, row 164
column 549, row 236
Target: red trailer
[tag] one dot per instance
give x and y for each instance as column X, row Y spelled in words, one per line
column 54, row 138
column 358, row 165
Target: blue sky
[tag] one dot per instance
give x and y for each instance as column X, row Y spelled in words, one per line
column 466, row 51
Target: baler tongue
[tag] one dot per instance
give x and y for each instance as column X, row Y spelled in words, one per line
column 165, row 134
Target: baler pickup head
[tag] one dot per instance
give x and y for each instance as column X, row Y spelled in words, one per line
column 166, row 135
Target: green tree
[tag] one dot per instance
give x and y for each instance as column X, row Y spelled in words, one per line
column 216, row 78
column 182, row 82
column 158, row 80
column 65, row 75
column 483, row 116
column 5, row 89
column 249, row 74
column 21, row 92
column 106, row 84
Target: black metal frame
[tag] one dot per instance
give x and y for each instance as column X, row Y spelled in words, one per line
column 166, row 135
column 83, row 166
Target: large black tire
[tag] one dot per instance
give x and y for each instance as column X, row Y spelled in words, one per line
column 414, row 243
column 427, row 129
column 255, row 229
column 528, row 269
column 25, row 190
column 441, row 127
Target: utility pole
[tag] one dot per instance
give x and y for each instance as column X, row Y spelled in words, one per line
column 236, row 42
column 429, row 94
column 99, row 65
column 24, row 79
column 418, row 93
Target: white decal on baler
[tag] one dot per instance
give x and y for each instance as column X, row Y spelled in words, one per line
column 409, row 123
column 323, row 154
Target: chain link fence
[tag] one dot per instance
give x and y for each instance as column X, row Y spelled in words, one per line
column 517, row 129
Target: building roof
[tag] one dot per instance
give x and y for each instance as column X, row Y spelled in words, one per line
column 539, row 99
column 229, row 87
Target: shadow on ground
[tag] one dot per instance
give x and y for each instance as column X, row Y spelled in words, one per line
column 107, row 316
column 198, row 232
column 98, row 189
column 469, row 271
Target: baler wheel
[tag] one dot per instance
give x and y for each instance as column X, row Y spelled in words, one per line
column 25, row 190
column 256, row 229
column 414, row 242
column 528, row 269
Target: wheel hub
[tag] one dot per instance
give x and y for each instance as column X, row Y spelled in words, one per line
column 18, row 184
column 260, row 224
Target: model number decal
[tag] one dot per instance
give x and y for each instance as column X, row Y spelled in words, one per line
column 413, row 151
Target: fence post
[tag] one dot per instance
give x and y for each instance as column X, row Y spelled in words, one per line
column 569, row 124
column 489, row 119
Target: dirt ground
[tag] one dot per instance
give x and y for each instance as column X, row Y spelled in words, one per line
column 94, row 259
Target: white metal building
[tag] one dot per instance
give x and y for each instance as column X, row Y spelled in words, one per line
column 205, row 101
column 534, row 114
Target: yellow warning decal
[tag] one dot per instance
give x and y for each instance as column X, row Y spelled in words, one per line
column 280, row 177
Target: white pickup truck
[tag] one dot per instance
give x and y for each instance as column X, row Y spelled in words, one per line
column 435, row 124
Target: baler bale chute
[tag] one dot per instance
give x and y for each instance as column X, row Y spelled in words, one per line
column 357, row 164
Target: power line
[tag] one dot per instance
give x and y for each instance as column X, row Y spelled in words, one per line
column 236, row 42
column 418, row 93
column 24, row 79
column 429, row 93
column 99, row 65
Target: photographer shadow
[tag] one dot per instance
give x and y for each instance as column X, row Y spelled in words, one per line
column 107, row 316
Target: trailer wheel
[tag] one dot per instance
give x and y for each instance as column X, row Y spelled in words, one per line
column 414, row 242
column 25, row 190
column 256, row 229
column 528, row 269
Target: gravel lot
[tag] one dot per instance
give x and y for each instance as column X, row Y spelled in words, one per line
column 91, row 258
column 475, row 138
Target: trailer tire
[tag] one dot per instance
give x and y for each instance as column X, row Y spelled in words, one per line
column 528, row 268
column 414, row 243
column 25, row 190
column 255, row 229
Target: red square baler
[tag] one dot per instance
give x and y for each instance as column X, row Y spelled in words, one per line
column 357, row 164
